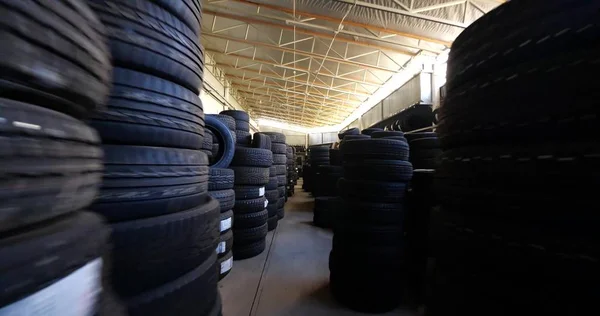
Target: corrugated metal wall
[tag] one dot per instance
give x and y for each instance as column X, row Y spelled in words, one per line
column 291, row 137
column 322, row 138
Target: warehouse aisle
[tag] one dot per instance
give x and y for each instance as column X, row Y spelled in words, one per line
column 291, row 277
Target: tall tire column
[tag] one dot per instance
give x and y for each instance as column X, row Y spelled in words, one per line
column 290, row 165
column 367, row 259
column 242, row 127
column 251, row 167
column 517, row 226
column 279, row 149
column 50, row 161
column 165, row 226
column 318, row 156
column 261, row 140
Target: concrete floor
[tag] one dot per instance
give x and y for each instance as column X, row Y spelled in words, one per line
column 291, row 277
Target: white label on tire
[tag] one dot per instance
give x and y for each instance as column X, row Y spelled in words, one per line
column 226, row 265
column 266, row 203
column 221, row 248
column 74, row 295
column 261, row 191
column 225, row 224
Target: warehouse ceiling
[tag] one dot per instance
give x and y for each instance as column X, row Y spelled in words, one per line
column 313, row 62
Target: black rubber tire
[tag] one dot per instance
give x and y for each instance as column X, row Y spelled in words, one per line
column 244, row 236
column 385, row 134
column 207, row 142
column 279, row 159
column 260, row 140
column 352, row 131
column 272, row 195
column 272, row 222
column 226, row 198
column 418, row 153
column 412, row 136
column 352, row 137
column 226, row 221
column 72, row 242
column 251, row 175
column 250, row 219
column 237, row 115
column 142, row 182
column 281, row 180
column 225, row 243
column 45, row 172
column 220, row 179
column 369, row 131
column 279, row 148
column 223, row 136
column 181, row 294
column 319, row 150
column 252, row 157
column 137, row 43
column 272, row 208
column 250, row 205
column 379, row 170
column 242, row 126
column 76, row 63
column 280, row 213
column 188, row 11
column 425, row 143
column 227, row 120
column 281, row 190
column 249, row 250
column 243, row 138
column 276, row 137
column 272, row 184
column 150, row 252
column 380, row 148
column 375, row 191
column 224, row 265
column 280, row 170
column 371, row 213
column 244, row 192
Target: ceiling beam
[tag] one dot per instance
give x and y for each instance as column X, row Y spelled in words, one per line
column 299, row 52
column 346, row 22
column 294, row 118
column 329, row 111
column 347, row 108
column 309, row 100
column 300, row 69
column 312, row 33
column 303, row 83
column 296, row 113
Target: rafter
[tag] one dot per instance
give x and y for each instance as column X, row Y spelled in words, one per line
column 330, row 111
column 348, row 107
column 298, row 52
column 293, row 118
column 346, row 22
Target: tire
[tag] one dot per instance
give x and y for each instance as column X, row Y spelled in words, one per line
column 226, row 221
column 279, row 148
column 252, row 157
column 425, row 143
column 137, row 43
column 188, row 11
column 207, row 142
column 272, row 184
column 385, row 134
column 375, row 191
column 208, row 154
column 47, row 172
column 249, row 250
column 372, row 213
column 250, row 205
column 226, row 198
column 244, row 192
column 227, row 120
column 348, row 132
column 150, row 111
column 181, row 294
column 261, row 141
column 220, row 179
column 223, row 136
column 276, row 137
column 242, row 126
column 281, row 190
column 76, row 63
column 224, row 265
column 249, row 220
column 150, row 252
column 272, row 222
column 280, row 170
column 418, row 154
column 279, row 159
column 272, row 195
column 225, row 243
column 243, row 138
column 379, row 170
column 380, row 148
column 75, row 243
column 353, row 137
column 412, row 136
column 251, row 175
column 237, row 115
column 272, row 208
column 245, row 236
column 281, row 181
column 141, row 182
column 369, row 131
column 280, row 213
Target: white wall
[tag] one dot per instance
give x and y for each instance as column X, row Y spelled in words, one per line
column 291, row 137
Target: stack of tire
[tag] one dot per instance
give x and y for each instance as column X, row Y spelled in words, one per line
column 370, row 131
column 279, row 149
column 242, row 127
column 291, row 171
column 51, row 162
column 251, row 167
column 425, row 150
column 517, row 227
column 318, row 155
column 368, row 239
column 260, row 140
column 165, row 226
